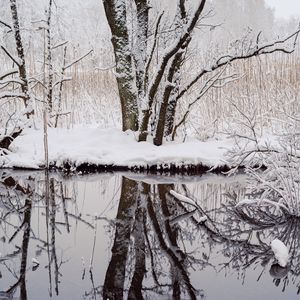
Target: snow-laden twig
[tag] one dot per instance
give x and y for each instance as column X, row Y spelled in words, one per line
column 75, row 61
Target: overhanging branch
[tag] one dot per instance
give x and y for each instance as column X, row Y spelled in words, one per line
column 267, row 48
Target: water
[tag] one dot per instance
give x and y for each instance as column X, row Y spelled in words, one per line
column 121, row 236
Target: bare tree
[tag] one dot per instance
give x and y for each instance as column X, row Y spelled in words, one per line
column 22, row 81
column 150, row 90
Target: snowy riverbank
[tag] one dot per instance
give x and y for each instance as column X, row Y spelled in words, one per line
column 95, row 146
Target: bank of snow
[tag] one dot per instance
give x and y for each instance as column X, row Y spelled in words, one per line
column 112, row 147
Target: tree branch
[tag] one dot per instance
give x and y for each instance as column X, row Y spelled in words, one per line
column 5, row 24
column 227, row 59
column 10, row 56
column 152, row 50
column 8, row 73
column 78, row 59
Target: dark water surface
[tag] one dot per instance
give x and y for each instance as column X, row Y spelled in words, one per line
column 126, row 236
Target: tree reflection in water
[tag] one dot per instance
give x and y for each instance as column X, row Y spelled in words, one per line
column 152, row 225
column 159, row 240
column 17, row 199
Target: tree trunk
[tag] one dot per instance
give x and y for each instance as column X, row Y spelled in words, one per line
column 115, row 276
column 21, row 56
column 177, row 47
column 49, row 59
column 165, row 102
column 7, row 140
column 170, row 116
column 140, row 48
column 116, row 15
column 136, row 287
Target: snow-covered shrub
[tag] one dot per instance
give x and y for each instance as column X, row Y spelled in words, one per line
column 278, row 185
column 273, row 164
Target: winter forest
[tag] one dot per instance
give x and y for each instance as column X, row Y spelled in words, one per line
column 149, row 149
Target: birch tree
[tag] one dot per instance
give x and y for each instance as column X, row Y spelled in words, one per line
column 150, row 88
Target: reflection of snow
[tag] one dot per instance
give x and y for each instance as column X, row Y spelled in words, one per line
column 281, row 252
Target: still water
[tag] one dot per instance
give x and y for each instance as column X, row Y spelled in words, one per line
column 128, row 236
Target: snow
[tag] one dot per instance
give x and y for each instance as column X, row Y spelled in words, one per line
column 246, row 202
column 109, row 147
column 35, row 261
column 280, row 251
column 203, row 219
column 182, row 198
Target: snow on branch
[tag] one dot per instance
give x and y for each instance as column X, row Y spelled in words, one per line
column 183, row 198
column 78, row 59
column 8, row 73
column 248, row 202
column 16, row 60
column 281, row 252
column 11, row 80
column 12, row 95
column 67, row 78
column 257, row 50
column 205, row 88
column 153, row 46
column 5, row 24
column 172, row 50
column 59, row 45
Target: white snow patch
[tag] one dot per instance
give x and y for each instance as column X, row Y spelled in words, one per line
column 203, row 219
column 280, row 251
column 246, row 202
column 35, row 261
column 182, row 198
column 109, row 147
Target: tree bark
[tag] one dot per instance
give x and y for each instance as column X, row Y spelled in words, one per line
column 166, row 96
column 21, row 56
column 115, row 276
column 140, row 51
column 116, row 15
column 146, row 113
column 49, row 59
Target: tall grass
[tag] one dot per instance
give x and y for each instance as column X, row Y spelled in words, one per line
column 268, row 87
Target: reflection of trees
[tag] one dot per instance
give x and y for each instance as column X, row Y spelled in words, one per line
column 244, row 235
column 145, row 215
column 159, row 238
column 115, row 277
column 10, row 183
column 18, row 197
column 152, row 250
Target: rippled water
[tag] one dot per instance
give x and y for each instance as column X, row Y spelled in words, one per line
column 127, row 236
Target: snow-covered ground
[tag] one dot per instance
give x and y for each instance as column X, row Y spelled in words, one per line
column 110, row 147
